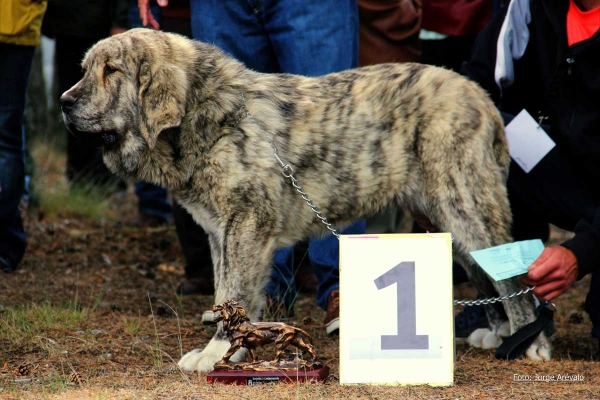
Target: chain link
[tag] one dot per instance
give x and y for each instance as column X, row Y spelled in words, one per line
column 288, row 172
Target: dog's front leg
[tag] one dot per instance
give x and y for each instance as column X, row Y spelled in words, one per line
column 242, row 271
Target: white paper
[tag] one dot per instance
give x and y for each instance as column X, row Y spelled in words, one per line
column 528, row 143
column 368, row 313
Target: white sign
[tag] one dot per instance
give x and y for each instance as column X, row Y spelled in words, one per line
column 528, row 142
column 396, row 311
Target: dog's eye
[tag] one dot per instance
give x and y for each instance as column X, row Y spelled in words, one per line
column 109, row 70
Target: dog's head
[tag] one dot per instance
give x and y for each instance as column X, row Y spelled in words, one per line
column 134, row 87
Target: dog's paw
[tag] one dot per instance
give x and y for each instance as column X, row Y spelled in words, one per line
column 540, row 350
column 189, row 361
column 205, row 360
column 484, row 338
column 504, row 330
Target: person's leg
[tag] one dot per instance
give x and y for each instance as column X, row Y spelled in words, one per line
column 15, row 65
column 196, row 250
column 313, row 38
column 592, row 305
column 235, row 28
column 282, row 286
column 153, row 204
column 324, row 255
column 84, row 159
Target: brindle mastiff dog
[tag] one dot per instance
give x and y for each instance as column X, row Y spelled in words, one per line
column 184, row 115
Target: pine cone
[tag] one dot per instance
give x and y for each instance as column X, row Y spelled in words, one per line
column 22, row 370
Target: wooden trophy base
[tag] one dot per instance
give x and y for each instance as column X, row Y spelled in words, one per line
column 235, row 376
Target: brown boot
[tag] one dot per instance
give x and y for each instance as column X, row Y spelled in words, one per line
column 332, row 318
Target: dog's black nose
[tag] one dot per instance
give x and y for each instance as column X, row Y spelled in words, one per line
column 67, row 102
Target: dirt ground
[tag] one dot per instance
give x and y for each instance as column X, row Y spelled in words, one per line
column 92, row 314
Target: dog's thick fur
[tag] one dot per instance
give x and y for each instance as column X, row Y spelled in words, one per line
column 173, row 111
column 244, row 334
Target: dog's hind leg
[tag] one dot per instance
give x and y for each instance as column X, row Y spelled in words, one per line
column 242, row 269
column 520, row 309
column 479, row 217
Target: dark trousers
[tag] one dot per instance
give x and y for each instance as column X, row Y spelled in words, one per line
column 554, row 192
column 194, row 243
column 15, row 63
column 84, row 159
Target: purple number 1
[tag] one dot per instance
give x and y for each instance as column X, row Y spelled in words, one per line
column 403, row 275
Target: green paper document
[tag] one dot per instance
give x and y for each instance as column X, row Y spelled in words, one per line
column 508, row 260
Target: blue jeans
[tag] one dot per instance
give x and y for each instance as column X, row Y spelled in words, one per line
column 152, row 199
column 324, row 255
column 309, row 38
column 15, row 64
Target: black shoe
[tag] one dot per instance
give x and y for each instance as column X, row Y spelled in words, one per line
column 469, row 320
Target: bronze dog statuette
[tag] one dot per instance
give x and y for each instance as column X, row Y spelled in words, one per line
column 244, row 334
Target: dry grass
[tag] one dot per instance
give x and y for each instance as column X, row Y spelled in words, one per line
column 92, row 314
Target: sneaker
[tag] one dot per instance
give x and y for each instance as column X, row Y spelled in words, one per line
column 208, row 317
column 332, row 318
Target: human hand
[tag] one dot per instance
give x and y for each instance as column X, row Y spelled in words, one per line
column 552, row 274
column 146, row 15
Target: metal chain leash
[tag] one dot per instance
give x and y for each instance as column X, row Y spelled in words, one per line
column 288, row 172
column 492, row 300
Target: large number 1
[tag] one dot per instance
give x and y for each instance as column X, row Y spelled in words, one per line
column 403, row 275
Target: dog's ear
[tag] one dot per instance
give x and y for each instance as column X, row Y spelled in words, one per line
column 161, row 99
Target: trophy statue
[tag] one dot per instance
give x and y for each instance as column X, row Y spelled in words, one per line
column 243, row 333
